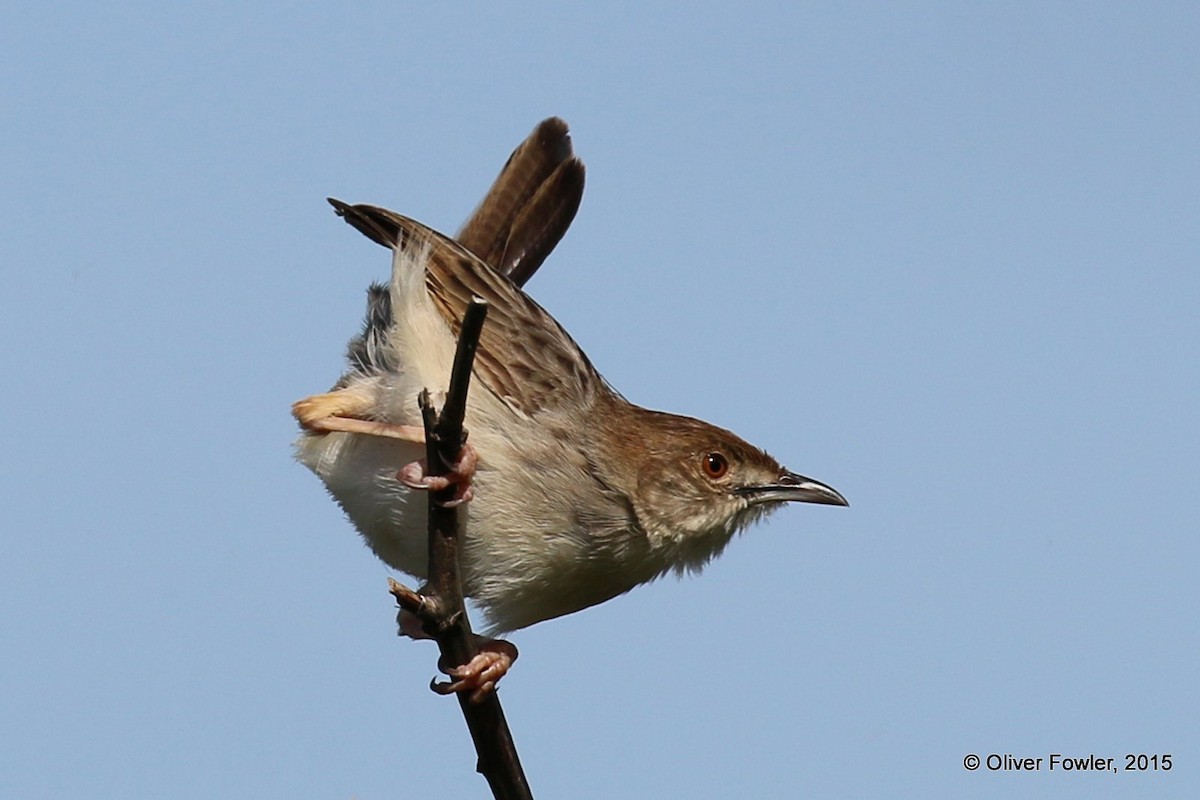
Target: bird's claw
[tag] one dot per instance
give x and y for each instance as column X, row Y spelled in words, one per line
column 413, row 475
column 480, row 675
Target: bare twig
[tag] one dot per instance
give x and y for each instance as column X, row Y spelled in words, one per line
column 441, row 607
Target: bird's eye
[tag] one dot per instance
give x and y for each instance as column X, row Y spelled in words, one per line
column 715, row 465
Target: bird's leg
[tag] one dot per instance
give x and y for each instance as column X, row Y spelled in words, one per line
column 343, row 410
column 480, row 675
column 414, row 476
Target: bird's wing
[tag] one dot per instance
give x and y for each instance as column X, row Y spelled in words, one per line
column 530, row 205
column 525, row 357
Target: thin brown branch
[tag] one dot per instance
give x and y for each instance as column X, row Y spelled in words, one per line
column 441, row 608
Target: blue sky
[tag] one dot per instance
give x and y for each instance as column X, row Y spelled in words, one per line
column 941, row 256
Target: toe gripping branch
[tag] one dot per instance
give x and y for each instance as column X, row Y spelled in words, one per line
column 441, row 609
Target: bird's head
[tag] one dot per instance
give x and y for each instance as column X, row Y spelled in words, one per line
column 697, row 484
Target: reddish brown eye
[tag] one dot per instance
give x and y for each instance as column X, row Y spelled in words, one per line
column 715, row 465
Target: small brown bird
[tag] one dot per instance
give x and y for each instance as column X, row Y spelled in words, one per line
column 577, row 495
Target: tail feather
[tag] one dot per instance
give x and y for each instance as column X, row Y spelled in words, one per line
column 542, row 222
column 530, row 204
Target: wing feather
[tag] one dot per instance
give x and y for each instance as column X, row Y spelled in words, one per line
column 525, row 357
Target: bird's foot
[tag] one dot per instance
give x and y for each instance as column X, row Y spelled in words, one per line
column 480, row 675
column 414, row 476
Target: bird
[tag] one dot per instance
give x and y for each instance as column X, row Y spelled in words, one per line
column 572, row 495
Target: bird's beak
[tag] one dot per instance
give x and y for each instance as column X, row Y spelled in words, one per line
column 793, row 487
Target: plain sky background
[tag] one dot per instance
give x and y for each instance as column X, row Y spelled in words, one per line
column 942, row 256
